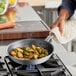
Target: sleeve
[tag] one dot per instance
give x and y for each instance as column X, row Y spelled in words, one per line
column 69, row 5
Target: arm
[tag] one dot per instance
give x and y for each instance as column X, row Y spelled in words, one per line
column 66, row 9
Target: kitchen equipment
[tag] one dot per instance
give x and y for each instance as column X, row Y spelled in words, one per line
column 53, row 67
column 3, row 69
column 29, row 42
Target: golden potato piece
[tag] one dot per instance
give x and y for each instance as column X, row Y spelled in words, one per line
column 19, row 49
column 42, row 55
column 35, row 56
column 28, row 53
column 33, row 47
column 27, row 48
column 30, row 56
column 31, row 50
column 13, row 53
column 20, row 55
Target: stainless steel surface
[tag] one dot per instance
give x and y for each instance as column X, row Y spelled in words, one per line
column 49, row 38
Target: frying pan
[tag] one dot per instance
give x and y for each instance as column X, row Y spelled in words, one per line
column 29, row 42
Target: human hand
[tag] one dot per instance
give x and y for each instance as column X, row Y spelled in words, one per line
column 60, row 22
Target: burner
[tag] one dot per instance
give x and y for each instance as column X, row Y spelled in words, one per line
column 50, row 68
column 30, row 67
column 3, row 69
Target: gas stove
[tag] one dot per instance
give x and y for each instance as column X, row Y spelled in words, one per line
column 53, row 67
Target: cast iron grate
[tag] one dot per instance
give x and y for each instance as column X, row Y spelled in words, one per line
column 49, row 68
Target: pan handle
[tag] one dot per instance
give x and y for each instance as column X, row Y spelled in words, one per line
column 49, row 37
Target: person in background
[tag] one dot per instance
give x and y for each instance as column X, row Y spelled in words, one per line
column 65, row 11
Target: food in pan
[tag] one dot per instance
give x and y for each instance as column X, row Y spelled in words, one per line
column 27, row 53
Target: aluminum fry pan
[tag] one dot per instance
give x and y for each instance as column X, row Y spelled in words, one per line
column 29, row 42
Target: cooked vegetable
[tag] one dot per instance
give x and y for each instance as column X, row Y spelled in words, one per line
column 20, row 55
column 13, row 53
column 35, row 56
column 19, row 49
column 27, row 53
column 42, row 55
column 46, row 52
column 33, row 47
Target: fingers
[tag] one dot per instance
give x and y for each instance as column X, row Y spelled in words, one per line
column 61, row 27
column 54, row 25
column 60, row 24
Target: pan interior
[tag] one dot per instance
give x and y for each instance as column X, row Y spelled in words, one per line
column 29, row 42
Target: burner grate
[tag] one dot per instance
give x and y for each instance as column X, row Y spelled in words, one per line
column 49, row 68
column 3, row 69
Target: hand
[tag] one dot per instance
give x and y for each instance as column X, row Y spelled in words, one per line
column 60, row 24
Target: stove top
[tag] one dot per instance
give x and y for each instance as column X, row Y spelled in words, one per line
column 53, row 67
column 3, row 68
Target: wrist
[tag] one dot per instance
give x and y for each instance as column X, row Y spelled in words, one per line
column 61, row 18
column 64, row 14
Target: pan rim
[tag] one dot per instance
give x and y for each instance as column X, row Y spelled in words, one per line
column 27, row 39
